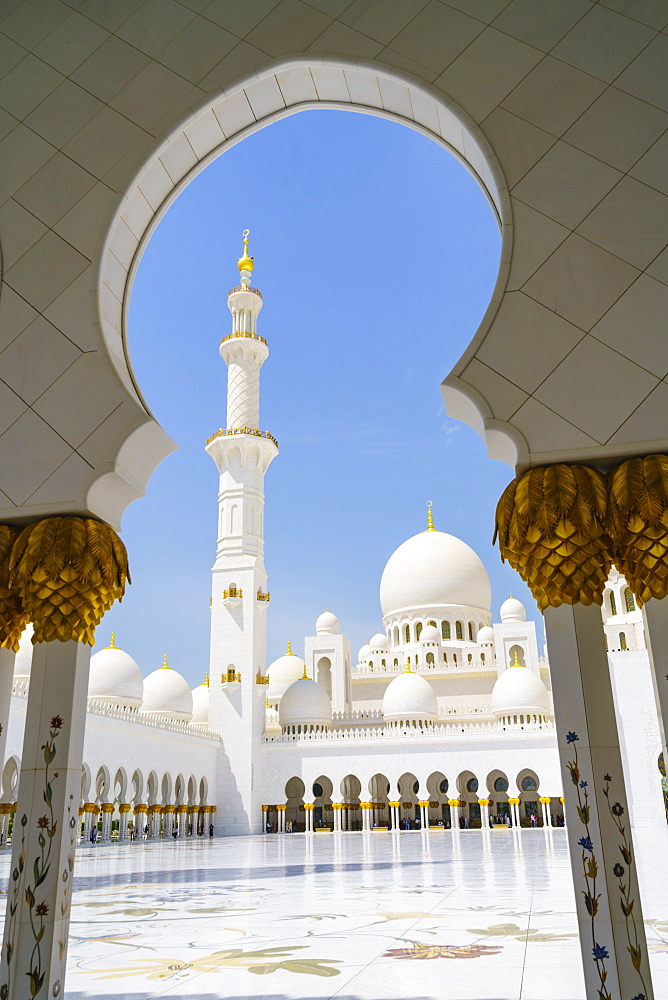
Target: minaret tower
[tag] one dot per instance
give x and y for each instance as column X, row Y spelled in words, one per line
column 239, row 598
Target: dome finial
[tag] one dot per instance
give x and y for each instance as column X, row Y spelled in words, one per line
column 516, row 659
column 112, row 641
column 245, row 262
column 289, row 652
column 304, row 675
column 165, row 665
column 430, row 516
column 408, row 666
column 206, row 678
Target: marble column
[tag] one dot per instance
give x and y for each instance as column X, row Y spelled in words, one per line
column 514, row 811
column 182, row 814
column 366, row 812
column 123, row 810
column 484, row 813
column 45, row 834
column 140, row 819
column 454, row 813
column 545, row 806
column 7, row 657
column 107, row 809
column 336, row 809
column 89, row 814
column 170, row 820
column 655, row 618
column 612, row 935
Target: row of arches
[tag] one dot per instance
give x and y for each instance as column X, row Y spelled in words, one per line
column 126, row 806
column 450, row 630
column 619, row 600
column 411, row 802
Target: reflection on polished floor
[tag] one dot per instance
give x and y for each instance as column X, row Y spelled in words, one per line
column 372, row 916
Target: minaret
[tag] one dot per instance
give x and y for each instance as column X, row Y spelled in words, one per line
column 242, row 453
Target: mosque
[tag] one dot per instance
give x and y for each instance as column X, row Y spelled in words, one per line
column 444, row 718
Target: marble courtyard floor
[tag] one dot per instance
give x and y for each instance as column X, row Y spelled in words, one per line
column 475, row 916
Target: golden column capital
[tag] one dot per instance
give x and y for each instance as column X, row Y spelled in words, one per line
column 140, row 808
column 107, row 807
column 551, row 524
column 484, row 802
column 513, row 802
column 638, row 524
column 453, row 803
column 13, row 616
column 545, row 800
column 124, row 807
column 67, row 572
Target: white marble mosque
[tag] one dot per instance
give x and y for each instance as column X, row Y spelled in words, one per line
column 559, row 113
column 443, row 718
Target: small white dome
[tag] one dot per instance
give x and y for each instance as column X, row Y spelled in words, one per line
column 379, row 642
column 430, row 634
column 305, row 703
column 434, row 569
column 513, row 610
column 282, row 673
column 485, row 636
column 409, row 697
column 364, row 652
column 200, row 705
column 518, row 689
column 115, row 678
column 23, row 659
column 327, row 624
column 167, row 694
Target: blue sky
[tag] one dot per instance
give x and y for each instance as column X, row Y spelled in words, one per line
column 376, row 254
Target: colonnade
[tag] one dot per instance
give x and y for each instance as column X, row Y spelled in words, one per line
column 161, row 820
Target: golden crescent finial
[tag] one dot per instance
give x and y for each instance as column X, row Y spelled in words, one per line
column 430, row 516
column 206, row 678
column 516, row 659
column 112, row 641
column 165, row 665
column 289, row 652
column 304, row 675
column 245, row 262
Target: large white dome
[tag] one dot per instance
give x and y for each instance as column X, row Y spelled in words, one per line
column 410, row 697
column 167, row 694
column 115, row 678
column 200, row 695
column 430, row 634
column 282, row 673
column 434, row 569
column 327, row 624
column 518, row 689
column 305, row 703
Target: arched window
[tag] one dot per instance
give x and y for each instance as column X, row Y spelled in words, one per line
column 418, row 631
column 445, row 630
column 622, row 640
column 613, row 604
column 383, row 663
column 443, row 787
column 396, row 662
column 482, row 657
column 430, row 659
column 529, row 784
column 445, row 657
column 470, row 658
column 472, row 785
column 459, row 630
column 628, row 600
column 317, row 791
column 501, row 785
column 470, row 631
column 407, row 633
column 396, row 635
column 454, row 657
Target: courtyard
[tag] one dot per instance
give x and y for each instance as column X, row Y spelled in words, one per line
column 474, row 916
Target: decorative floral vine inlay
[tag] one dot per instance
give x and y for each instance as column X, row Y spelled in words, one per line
column 623, row 876
column 47, row 827
column 589, row 866
column 66, row 876
column 17, row 874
